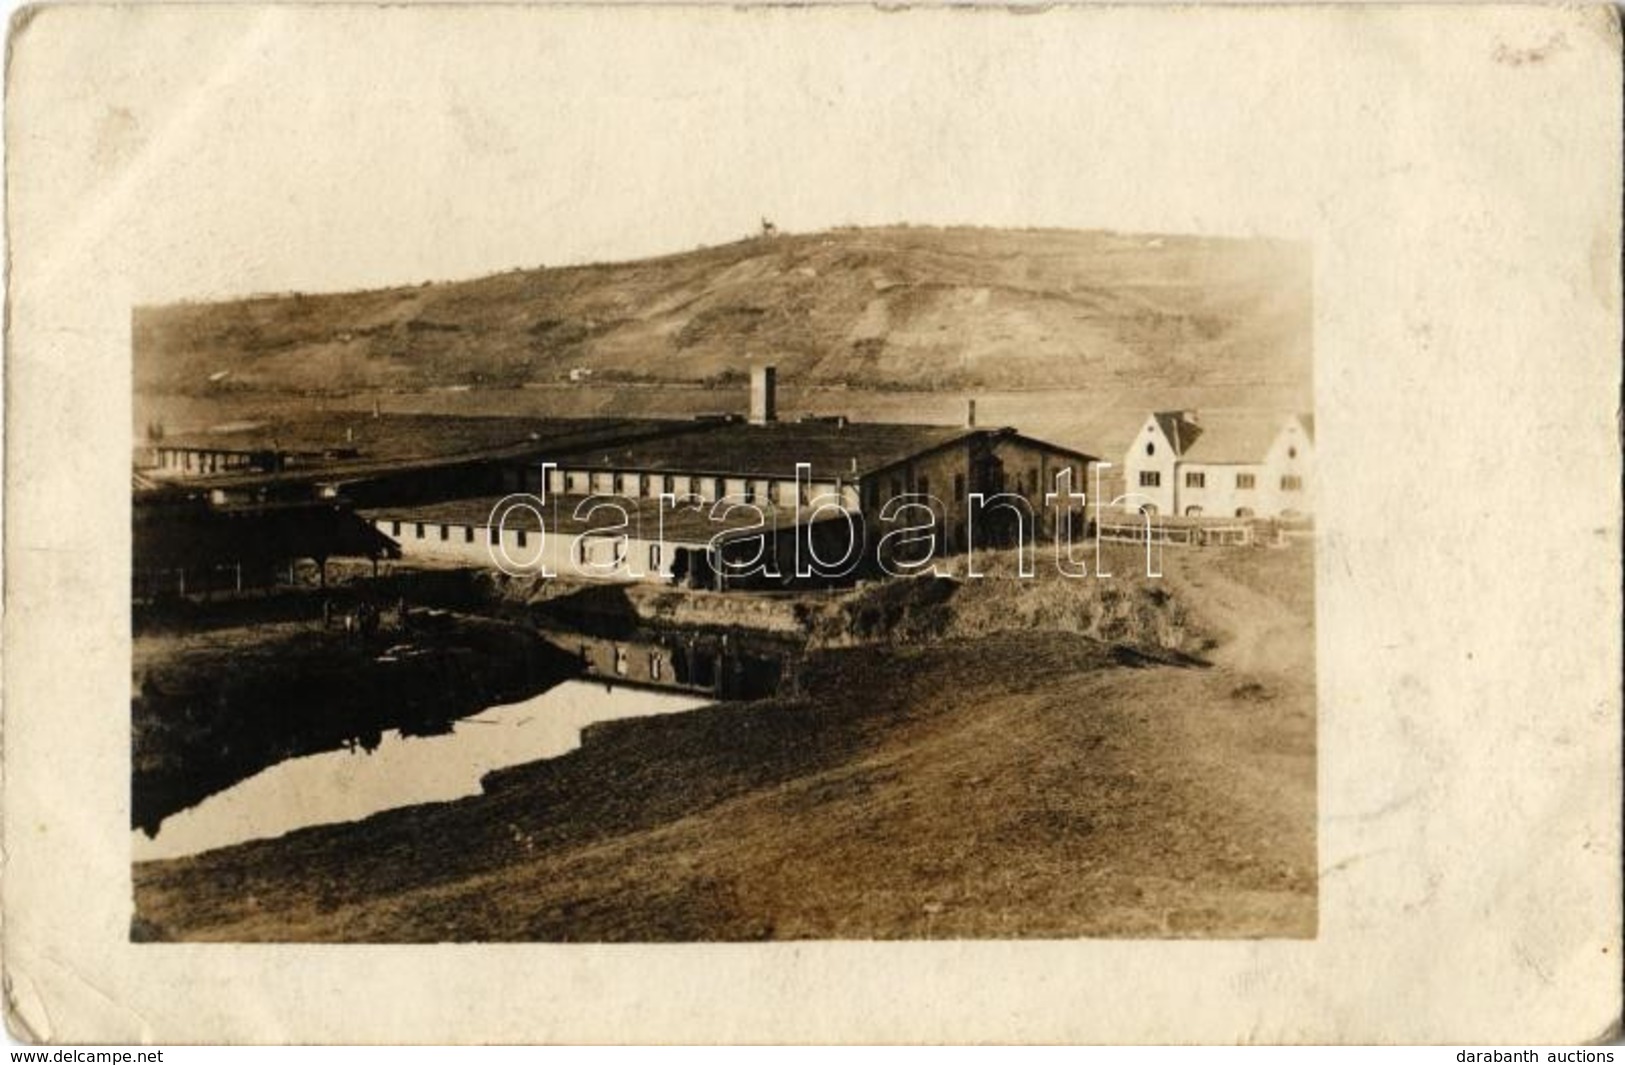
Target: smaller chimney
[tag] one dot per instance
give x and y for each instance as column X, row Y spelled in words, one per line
column 762, row 399
column 970, row 414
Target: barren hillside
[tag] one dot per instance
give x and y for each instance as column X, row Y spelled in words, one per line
column 873, row 308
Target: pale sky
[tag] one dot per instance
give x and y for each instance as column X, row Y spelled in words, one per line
column 223, row 151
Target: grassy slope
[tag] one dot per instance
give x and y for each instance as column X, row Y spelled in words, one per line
column 905, row 307
column 1022, row 783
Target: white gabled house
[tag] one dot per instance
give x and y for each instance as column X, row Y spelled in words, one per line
column 1222, row 464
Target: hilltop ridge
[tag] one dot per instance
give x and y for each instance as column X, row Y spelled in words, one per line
column 900, row 307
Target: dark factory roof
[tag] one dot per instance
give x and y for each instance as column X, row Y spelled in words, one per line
column 346, row 447
column 740, row 449
column 696, row 525
column 366, row 446
column 175, row 533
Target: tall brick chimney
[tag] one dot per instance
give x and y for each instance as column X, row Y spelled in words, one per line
column 763, row 402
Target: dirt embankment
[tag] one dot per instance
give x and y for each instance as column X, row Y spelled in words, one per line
column 1024, row 781
column 1132, row 612
column 1124, row 609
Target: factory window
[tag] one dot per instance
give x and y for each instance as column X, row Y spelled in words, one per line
column 420, row 530
column 655, row 664
column 620, row 661
column 959, row 487
column 750, row 491
column 519, row 538
column 1150, row 479
column 468, row 534
column 1244, row 480
column 394, row 528
column 717, row 489
column 445, row 532
column 654, row 557
column 490, row 535
column 1150, row 449
column 666, row 485
column 575, row 481
column 1290, row 483
column 1195, row 480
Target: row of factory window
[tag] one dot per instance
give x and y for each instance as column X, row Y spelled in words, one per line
column 420, row 531
column 204, row 461
column 1194, row 479
column 775, row 492
column 708, row 489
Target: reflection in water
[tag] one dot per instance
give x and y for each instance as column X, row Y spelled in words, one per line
column 348, row 785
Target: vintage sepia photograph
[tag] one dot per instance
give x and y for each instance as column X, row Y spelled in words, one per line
column 746, row 524
column 891, row 582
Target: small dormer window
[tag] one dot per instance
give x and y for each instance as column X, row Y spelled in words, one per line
column 1150, row 448
column 1291, row 452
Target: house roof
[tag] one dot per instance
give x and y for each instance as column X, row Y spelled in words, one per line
column 740, row 449
column 1180, row 433
column 1235, row 437
column 691, row 525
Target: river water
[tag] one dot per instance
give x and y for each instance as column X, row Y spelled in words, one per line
column 348, row 785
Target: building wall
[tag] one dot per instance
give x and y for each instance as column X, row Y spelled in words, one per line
column 1030, row 470
column 952, row 475
column 1288, row 461
column 944, row 475
column 468, row 545
column 1291, row 456
column 1219, row 495
column 1150, row 453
